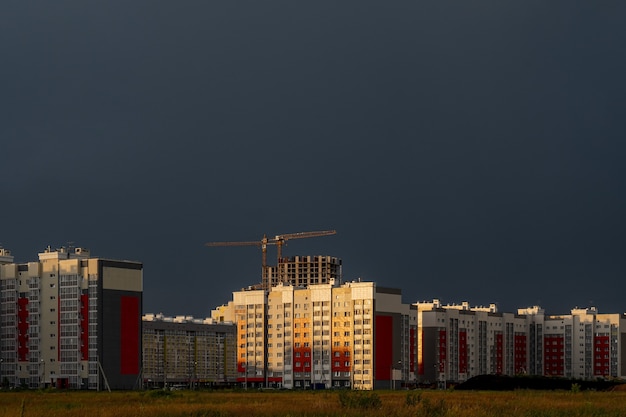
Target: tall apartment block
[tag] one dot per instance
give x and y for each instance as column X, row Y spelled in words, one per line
column 353, row 335
column 183, row 351
column 457, row 342
column 584, row 344
column 70, row 321
column 305, row 270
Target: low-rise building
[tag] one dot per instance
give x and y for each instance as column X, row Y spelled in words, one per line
column 188, row 352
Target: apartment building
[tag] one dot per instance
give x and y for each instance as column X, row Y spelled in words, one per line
column 457, row 342
column 70, row 320
column 352, row 335
column 584, row 344
column 188, row 352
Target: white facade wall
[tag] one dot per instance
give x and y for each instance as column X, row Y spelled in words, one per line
column 583, row 344
column 457, row 342
column 52, row 321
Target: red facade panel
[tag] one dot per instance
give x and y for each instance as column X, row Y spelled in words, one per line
column 340, row 360
column 251, row 379
column 22, row 329
column 520, row 353
column 499, row 351
column 302, row 359
column 462, row 351
column 84, row 327
column 384, row 347
column 442, row 351
column 129, row 332
column 601, row 356
column 554, row 355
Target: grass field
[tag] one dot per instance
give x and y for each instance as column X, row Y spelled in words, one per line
column 320, row 403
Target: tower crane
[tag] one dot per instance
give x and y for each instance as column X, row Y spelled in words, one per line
column 279, row 241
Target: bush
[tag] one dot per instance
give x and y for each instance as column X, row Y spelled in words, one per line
column 413, row 398
column 439, row 409
column 359, row 399
column 160, row 393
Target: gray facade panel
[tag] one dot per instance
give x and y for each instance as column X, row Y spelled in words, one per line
column 622, row 354
column 110, row 336
column 429, row 355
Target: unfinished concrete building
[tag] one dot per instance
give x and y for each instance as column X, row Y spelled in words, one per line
column 303, row 271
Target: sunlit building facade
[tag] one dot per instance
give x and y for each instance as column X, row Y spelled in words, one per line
column 70, row 320
column 320, row 336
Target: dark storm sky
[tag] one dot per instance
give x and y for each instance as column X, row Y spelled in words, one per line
column 464, row 150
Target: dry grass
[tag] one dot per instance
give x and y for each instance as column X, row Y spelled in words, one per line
column 312, row 404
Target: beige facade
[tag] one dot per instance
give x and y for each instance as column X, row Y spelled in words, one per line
column 321, row 336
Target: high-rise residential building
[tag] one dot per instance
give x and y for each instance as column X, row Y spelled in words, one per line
column 188, row 352
column 457, row 342
column 70, row 320
column 323, row 335
column 584, row 344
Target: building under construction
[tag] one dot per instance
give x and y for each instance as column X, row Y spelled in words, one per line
column 303, row 271
column 297, row 270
